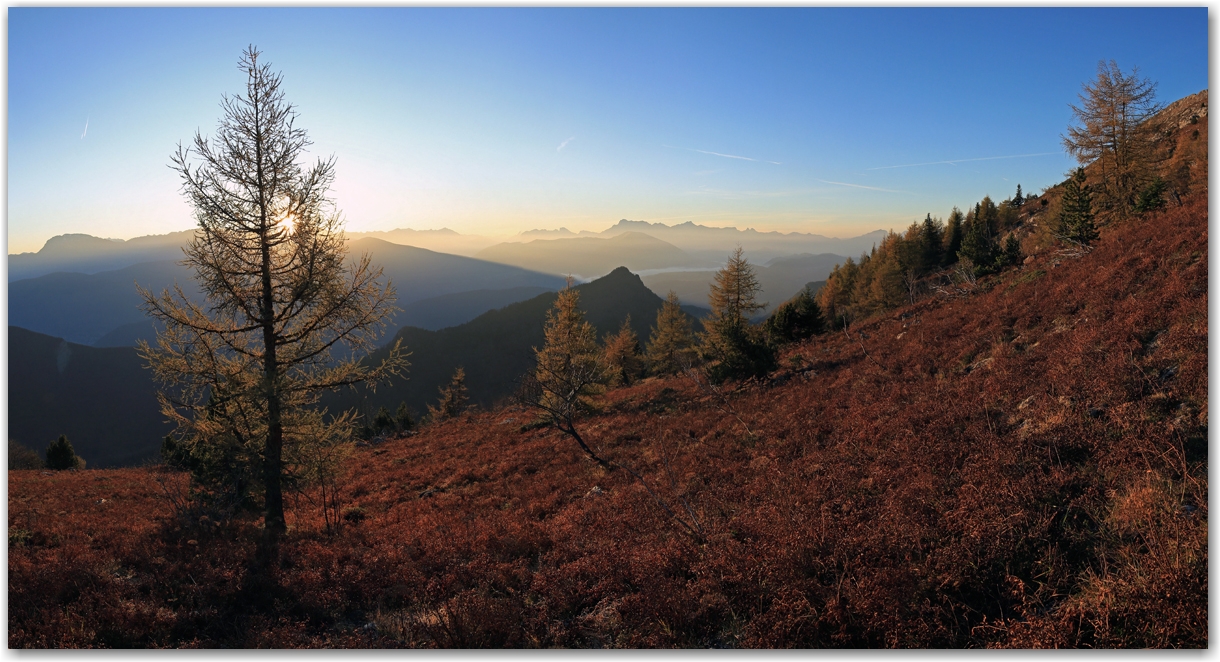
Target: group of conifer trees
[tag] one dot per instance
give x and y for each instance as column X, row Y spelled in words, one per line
column 730, row 346
column 982, row 241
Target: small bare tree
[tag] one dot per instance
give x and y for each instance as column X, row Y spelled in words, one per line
column 247, row 366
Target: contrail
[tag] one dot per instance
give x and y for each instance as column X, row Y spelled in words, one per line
column 727, row 156
column 870, row 188
column 565, row 143
column 957, row 161
column 82, row 136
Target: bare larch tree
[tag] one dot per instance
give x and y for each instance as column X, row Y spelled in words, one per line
column 286, row 315
column 1117, row 131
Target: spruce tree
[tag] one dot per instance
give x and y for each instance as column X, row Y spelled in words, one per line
column 61, row 455
column 953, row 237
column 1018, row 200
column 622, row 356
column 453, row 398
column 1011, row 255
column 1152, row 197
column 795, row 320
column 382, row 421
column 978, row 244
column 1075, row 223
column 671, row 344
column 931, row 240
column 402, row 418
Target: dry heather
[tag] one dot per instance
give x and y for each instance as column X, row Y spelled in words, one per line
column 1024, row 467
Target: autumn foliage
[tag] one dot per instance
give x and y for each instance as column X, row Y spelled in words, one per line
column 1025, row 466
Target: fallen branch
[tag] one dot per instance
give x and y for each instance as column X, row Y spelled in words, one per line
column 861, row 343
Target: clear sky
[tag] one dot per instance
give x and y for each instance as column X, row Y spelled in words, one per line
column 493, row 121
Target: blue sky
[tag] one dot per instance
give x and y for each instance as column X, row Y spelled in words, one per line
column 493, row 121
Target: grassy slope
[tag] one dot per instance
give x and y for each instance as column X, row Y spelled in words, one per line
column 1023, row 467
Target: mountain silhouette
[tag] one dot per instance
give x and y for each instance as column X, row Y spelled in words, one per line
column 709, row 246
column 496, row 348
column 82, row 253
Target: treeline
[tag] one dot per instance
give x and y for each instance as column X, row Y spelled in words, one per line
column 980, row 242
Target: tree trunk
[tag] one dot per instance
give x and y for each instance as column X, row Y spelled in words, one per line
column 273, row 499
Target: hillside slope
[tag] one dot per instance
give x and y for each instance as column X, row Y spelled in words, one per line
column 102, row 398
column 1025, row 466
column 84, row 308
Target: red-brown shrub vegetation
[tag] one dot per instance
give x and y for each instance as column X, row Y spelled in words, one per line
column 1026, row 466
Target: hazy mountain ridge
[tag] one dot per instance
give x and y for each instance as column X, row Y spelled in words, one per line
column 780, row 279
column 83, row 253
column 83, row 308
column 104, row 307
column 443, row 240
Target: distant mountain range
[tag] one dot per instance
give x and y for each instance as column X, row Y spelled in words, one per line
column 443, row 240
column 589, row 257
column 104, row 307
column 84, row 307
column 710, row 245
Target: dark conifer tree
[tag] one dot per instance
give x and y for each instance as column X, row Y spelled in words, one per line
column 931, row 239
column 796, row 319
column 1076, row 211
column 403, row 418
column 953, row 237
column 1011, row 255
column 382, row 421
column 978, row 244
column 61, row 455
